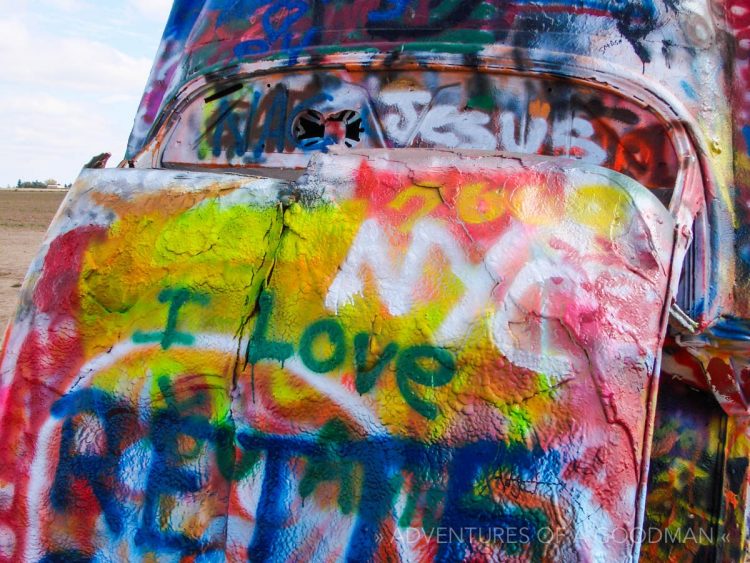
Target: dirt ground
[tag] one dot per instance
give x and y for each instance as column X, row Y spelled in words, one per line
column 24, row 218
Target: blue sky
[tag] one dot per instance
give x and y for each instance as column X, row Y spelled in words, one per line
column 73, row 72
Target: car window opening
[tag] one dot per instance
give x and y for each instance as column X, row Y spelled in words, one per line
column 277, row 122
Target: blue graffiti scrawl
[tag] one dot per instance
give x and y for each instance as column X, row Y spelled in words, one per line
column 445, row 487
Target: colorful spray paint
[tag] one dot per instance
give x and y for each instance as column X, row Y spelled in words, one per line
column 485, row 319
column 408, row 352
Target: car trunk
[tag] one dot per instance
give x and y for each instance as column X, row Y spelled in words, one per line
column 408, row 354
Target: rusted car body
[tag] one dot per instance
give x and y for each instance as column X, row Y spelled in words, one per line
column 399, row 280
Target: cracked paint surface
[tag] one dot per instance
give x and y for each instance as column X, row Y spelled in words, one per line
column 410, row 353
column 403, row 345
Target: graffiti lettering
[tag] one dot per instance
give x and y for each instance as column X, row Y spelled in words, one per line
column 254, row 123
column 401, row 122
column 332, row 329
column 259, row 347
column 367, row 378
column 177, row 299
column 456, row 483
column 170, row 475
column 395, row 284
column 524, row 142
column 93, row 458
column 425, row 365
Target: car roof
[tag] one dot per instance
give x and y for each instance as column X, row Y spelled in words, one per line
column 207, row 36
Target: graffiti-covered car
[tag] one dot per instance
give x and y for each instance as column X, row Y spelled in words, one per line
column 403, row 280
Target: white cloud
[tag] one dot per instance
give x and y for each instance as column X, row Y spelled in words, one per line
column 63, row 98
column 66, row 5
column 154, row 9
column 43, row 124
column 45, row 136
column 68, row 62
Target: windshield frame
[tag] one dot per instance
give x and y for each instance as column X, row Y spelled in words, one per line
column 295, row 156
column 582, row 71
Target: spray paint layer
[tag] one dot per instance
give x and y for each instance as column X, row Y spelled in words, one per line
column 362, row 366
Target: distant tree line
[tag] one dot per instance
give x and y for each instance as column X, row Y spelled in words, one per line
column 32, row 184
column 38, row 184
